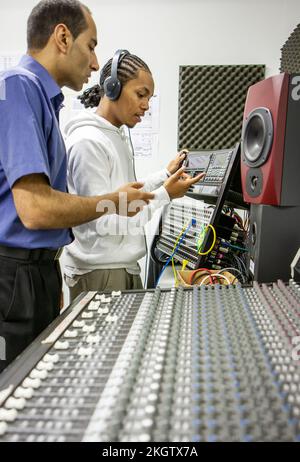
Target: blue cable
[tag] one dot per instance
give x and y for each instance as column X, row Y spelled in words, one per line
column 192, row 223
column 226, row 244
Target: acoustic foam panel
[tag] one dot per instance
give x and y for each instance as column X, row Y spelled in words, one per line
column 290, row 53
column 211, row 104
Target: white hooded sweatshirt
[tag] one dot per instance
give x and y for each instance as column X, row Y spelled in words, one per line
column 100, row 161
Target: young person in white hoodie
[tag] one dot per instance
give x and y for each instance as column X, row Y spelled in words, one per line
column 105, row 252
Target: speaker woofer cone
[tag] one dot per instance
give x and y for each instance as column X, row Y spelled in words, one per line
column 257, row 137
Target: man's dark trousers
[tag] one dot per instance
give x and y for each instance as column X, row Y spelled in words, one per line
column 30, row 293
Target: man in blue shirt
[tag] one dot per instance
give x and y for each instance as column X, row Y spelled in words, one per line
column 36, row 210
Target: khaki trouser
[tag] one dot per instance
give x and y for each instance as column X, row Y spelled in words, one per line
column 103, row 280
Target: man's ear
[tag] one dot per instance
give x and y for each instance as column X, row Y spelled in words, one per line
column 63, row 38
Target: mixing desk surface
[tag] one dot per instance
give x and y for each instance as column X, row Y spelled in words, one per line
column 216, row 363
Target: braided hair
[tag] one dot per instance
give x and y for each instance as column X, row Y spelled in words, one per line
column 128, row 69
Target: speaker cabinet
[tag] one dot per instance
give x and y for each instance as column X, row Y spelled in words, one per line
column 270, row 148
column 274, row 239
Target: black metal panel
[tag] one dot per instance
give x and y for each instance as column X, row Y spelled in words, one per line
column 274, row 241
column 290, row 191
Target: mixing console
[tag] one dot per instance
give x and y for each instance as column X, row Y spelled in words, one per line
column 216, row 363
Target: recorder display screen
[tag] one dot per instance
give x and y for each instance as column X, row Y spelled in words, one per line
column 221, row 160
column 198, row 161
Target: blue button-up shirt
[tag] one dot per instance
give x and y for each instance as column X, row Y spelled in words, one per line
column 30, row 142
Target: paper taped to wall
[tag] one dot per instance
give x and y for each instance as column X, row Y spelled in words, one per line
column 145, row 135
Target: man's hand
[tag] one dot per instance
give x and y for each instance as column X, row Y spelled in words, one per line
column 176, row 163
column 132, row 199
column 39, row 206
column 179, row 183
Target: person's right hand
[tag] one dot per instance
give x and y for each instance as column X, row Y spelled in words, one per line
column 133, row 199
column 178, row 184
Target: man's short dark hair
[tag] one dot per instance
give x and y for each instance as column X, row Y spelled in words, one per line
column 47, row 14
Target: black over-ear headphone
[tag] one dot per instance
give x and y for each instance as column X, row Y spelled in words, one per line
column 112, row 86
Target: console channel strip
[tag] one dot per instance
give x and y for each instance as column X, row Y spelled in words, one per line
column 216, row 363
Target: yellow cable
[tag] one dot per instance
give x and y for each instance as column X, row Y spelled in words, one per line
column 175, row 245
column 214, row 241
column 179, row 236
column 184, row 263
column 174, row 271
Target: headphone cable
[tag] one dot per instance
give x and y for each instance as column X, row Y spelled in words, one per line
column 145, row 239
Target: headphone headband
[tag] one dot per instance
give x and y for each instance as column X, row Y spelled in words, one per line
column 118, row 57
column 111, row 85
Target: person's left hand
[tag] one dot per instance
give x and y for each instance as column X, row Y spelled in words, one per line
column 179, row 183
column 176, row 163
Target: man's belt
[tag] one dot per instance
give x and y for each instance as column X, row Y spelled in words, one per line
column 30, row 254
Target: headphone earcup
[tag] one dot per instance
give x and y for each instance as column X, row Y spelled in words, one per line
column 112, row 88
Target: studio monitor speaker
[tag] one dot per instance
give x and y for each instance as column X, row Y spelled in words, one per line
column 270, row 149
